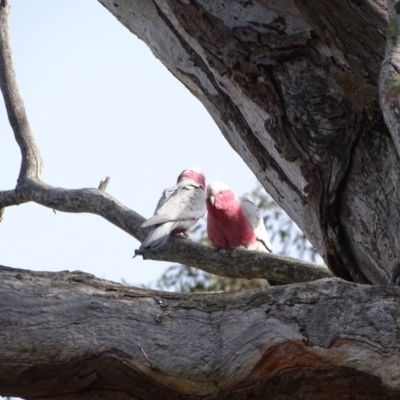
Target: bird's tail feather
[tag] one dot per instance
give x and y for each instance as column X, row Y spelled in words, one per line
column 158, row 235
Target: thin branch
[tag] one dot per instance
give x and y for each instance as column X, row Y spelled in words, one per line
column 31, row 165
column 234, row 264
column 94, row 201
column 103, row 184
column 12, row 198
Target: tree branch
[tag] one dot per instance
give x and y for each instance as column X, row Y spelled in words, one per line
column 94, row 201
column 236, row 264
column 103, row 184
column 31, row 165
column 73, row 336
column 239, row 263
column 11, row 198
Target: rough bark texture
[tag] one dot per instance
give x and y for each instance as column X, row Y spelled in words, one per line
column 72, row 336
column 293, row 86
column 239, row 263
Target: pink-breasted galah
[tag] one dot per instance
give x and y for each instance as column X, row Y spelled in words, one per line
column 234, row 221
column 178, row 209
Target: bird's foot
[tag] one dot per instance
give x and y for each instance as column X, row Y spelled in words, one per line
column 182, row 235
column 238, row 248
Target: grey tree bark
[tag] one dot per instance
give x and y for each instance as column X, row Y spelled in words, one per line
column 305, row 91
column 70, row 336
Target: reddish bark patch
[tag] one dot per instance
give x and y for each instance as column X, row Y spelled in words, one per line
column 282, row 357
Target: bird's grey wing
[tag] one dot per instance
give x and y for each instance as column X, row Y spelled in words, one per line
column 183, row 203
column 166, row 195
column 193, row 203
column 251, row 212
column 253, row 215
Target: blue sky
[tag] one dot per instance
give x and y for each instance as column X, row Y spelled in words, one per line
column 100, row 104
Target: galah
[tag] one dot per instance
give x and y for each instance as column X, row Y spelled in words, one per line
column 178, row 209
column 234, row 221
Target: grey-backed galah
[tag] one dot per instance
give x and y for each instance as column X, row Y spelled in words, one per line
column 178, row 209
column 234, row 221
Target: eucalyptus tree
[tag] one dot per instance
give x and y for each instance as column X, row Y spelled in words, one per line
column 306, row 93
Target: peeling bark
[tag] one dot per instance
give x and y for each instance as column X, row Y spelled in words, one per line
column 69, row 335
column 293, row 86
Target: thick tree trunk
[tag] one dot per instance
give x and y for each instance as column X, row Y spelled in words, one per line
column 73, row 336
column 293, row 86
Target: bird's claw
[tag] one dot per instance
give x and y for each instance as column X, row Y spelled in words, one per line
column 183, row 235
column 238, row 248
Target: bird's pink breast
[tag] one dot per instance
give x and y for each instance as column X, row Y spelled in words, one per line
column 228, row 227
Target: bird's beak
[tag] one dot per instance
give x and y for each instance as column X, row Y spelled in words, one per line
column 212, row 200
